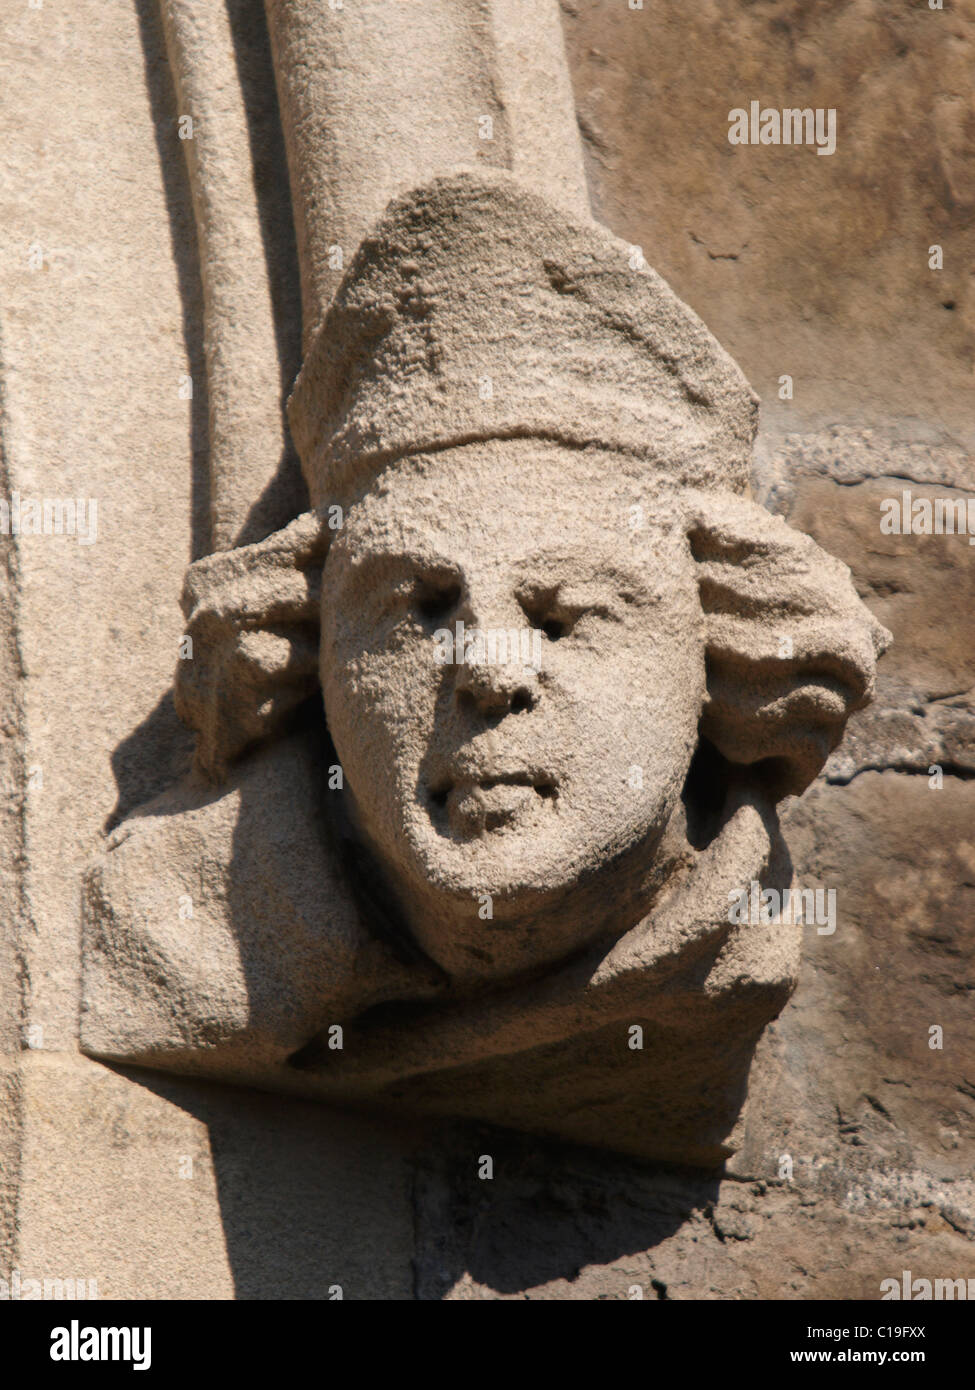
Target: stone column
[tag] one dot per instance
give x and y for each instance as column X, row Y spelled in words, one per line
column 378, row 96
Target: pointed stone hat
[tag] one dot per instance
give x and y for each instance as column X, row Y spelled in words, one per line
column 477, row 310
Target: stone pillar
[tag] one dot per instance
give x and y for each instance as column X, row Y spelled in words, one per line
column 378, row 96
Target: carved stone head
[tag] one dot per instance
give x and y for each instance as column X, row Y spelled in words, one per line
column 568, row 666
column 546, row 586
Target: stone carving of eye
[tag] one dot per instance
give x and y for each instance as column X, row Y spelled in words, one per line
column 557, row 613
column 436, row 599
column 542, row 609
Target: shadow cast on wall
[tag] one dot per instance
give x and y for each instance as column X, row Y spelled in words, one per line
column 311, row 1200
column 159, row 750
column 186, row 260
column 153, row 756
column 285, row 495
column 314, row 1199
column 546, row 1212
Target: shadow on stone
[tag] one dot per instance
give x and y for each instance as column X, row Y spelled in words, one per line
column 546, row 1213
column 183, row 242
column 311, row 1200
column 153, row 756
column 285, row 496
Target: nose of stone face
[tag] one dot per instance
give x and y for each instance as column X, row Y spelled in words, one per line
column 496, row 687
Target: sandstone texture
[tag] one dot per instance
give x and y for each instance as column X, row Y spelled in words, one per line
column 130, row 266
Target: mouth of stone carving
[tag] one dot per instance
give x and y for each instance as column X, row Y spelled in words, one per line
column 474, row 805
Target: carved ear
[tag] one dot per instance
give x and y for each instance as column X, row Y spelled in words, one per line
column 253, row 620
column 791, row 649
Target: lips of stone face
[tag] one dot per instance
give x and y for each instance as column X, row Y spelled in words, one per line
column 477, row 806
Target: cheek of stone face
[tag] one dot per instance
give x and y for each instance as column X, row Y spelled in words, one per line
column 631, row 697
column 380, row 707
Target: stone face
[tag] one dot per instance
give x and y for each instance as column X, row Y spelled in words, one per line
column 519, row 806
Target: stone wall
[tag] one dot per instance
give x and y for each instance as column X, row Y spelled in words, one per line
column 815, row 268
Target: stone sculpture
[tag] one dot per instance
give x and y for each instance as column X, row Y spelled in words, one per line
column 482, row 880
